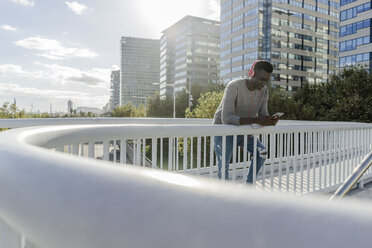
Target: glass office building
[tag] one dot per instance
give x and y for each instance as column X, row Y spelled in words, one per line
column 355, row 33
column 114, row 89
column 139, row 69
column 189, row 53
column 299, row 37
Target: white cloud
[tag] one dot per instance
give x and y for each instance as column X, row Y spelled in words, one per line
column 95, row 77
column 8, row 28
column 9, row 68
column 61, row 75
column 215, row 7
column 42, row 97
column 25, row 3
column 53, row 49
column 15, row 89
column 76, row 7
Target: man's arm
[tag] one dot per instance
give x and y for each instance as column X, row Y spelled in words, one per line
column 262, row 120
column 228, row 115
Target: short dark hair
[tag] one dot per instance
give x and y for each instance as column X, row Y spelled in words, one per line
column 263, row 65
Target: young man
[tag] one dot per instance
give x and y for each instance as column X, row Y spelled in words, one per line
column 245, row 102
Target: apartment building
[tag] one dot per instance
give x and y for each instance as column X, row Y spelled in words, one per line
column 189, row 54
column 114, row 89
column 355, row 33
column 139, row 69
column 299, row 37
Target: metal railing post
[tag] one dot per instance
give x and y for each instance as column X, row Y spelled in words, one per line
column 353, row 178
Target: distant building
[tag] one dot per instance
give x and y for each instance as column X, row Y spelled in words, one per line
column 70, row 106
column 189, row 53
column 96, row 111
column 106, row 108
column 356, row 33
column 300, row 38
column 115, row 89
column 139, row 69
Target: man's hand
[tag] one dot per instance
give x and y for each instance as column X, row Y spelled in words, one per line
column 262, row 120
column 267, row 120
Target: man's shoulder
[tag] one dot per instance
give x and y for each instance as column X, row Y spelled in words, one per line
column 236, row 82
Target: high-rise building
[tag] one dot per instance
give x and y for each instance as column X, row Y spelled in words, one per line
column 356, row 33
column 189, row 53
column 115, row 89
column 139, row 69
column 299, row 37
column 70, row 106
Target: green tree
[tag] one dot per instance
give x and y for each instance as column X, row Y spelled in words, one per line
column 128, row 110
column 281, row 101
column 10, row 111
column 207, row 105
column 161, row 108
column 345, row 98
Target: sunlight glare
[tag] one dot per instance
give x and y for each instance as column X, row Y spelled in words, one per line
column 173, row 178
column 161, row 14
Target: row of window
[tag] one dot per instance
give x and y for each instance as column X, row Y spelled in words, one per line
column 344, row 2
column 354, row 59
column 247, row 56
column 279, row 55
column 205, row 43
column 248, row 13
column 352, row 12
column 281, row 33
column 353, row 27
column 298, row 25
column 305, row 16
column 250, row 23
column 352, row 44
column 326, row 2
column 248, row 45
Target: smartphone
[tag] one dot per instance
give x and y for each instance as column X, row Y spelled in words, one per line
column 279, row 114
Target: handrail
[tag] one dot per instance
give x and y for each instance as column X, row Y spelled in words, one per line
column 56, row 200
column 28, row 122
column 57, row 135
column 353, row 178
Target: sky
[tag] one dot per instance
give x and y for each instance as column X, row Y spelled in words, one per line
column 52, row 51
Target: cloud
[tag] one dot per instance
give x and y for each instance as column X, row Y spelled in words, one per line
column 53, row 49
column 215, row 7
column 25, row 3
column 76, row 7
column 15, row 89
column 84, row 78
column 8, row 28
column 9, row 68
column 43, row 97
column 95, row 77
column 61, row 75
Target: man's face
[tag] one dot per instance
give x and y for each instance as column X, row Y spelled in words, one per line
column 261, row 79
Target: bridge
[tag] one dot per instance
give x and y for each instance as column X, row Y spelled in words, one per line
column 87, row 183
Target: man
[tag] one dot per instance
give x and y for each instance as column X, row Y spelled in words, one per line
column 245, row 102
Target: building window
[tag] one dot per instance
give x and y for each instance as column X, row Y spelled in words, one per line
column 352, row 12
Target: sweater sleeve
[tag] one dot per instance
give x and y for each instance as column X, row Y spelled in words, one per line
column 228, row 106
column 263, row 109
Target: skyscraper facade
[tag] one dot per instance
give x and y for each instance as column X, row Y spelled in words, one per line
column 114, row 89
column 356, row 33
column 139, row 69
column 70, row 106
column 189, row 54
column 299, row 37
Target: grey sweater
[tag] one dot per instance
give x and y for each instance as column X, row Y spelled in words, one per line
column 239, row 102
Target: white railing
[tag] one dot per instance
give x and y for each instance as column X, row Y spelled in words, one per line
column 303, row 157
column 16, row 123
column 50, row 199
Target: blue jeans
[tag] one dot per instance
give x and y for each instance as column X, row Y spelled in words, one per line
column 229, row 151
